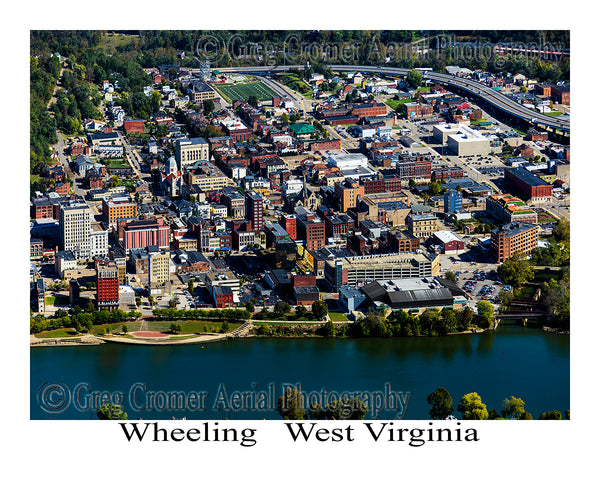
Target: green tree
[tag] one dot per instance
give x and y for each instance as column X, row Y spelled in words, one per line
column 414, row 78
column 485, row 311
column 441, row 404
column 250, row 306
column 435, row 188
column 300, row 311
column 282, row 307
column 512, row 408
column 284, row 119
column 224, row 326
column 174, row 329
column 124, row 328
column 346, row 409
column 562, row 231
column 111, row 411
column 552, row 415
column 208, row 107
column 329, row 329
column 472, row 407
column 191, row 286
column 515, row 271
column 319, row 309
column 450, row 275
column 291, row 405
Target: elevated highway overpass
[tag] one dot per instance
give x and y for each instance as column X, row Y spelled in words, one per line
column 488, row 95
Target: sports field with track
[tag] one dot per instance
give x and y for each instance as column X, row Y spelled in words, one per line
column 243, row 91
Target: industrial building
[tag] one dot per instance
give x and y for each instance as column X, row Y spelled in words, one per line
column 416, row 295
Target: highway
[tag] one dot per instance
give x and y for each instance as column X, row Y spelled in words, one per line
column 476, row 89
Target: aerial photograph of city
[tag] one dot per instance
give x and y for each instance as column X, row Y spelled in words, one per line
column 299, row 225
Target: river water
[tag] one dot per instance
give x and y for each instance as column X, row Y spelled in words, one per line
column 242, row 378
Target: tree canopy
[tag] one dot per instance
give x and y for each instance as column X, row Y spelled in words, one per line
column 441, row 404
column 472, row 407
column 515, row 271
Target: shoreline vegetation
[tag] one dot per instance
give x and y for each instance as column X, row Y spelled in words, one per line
column 246, row 330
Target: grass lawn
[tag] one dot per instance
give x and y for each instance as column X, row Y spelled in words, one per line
column 338, row 317
column 545, row 217
column 116, row 327
column 58, row 333
column 244, row 91
column 394, row 103
column 191, row 326
column 553, row 113
column 117, row 164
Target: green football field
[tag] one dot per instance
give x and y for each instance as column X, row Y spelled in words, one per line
column 245, row 90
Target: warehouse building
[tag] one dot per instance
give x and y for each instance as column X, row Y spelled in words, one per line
column 416, row 295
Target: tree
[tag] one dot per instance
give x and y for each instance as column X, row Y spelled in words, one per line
column 208, row 106
column 284, row 119
column 435, row 188
column 111, row 411
column 300, row 311
column 414, row 78
column 346, row 409
column 282, row 307
column 515, row 271
column 224, row 326
column 553, row 415
column 450, row 275
column 513, row 408
column 124, row 328
column 250, row 306
column 472, row 407
column 441, row 404
column 174, row 329
column 486, row 312
column 319, row 309
column 562, row 231
column 329, row 329
column 151, row 300
column 191, row 286
column 291, row 405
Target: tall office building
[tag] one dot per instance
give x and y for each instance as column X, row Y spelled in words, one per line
column 107, row 286
column 189, row 150
column 452, row 201
column 75, row 229
column 254, row 209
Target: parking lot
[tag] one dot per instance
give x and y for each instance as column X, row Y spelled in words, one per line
column 481, row 285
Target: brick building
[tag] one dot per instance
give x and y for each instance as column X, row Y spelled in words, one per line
column 513, row 238
column 144, row 233
column 133, row 126
column 528, row 185
column 288, row 222
column 254, row 209
column 107, row 287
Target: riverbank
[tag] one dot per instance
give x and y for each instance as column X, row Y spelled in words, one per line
column 65, row 341
column 89, row 339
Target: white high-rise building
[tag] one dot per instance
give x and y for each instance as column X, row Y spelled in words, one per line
column 75, row 229
column 189, row 150
column 98, row 241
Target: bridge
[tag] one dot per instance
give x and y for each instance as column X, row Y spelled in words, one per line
column 495, row 99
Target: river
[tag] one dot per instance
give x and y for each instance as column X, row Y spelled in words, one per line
column 69, row 382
